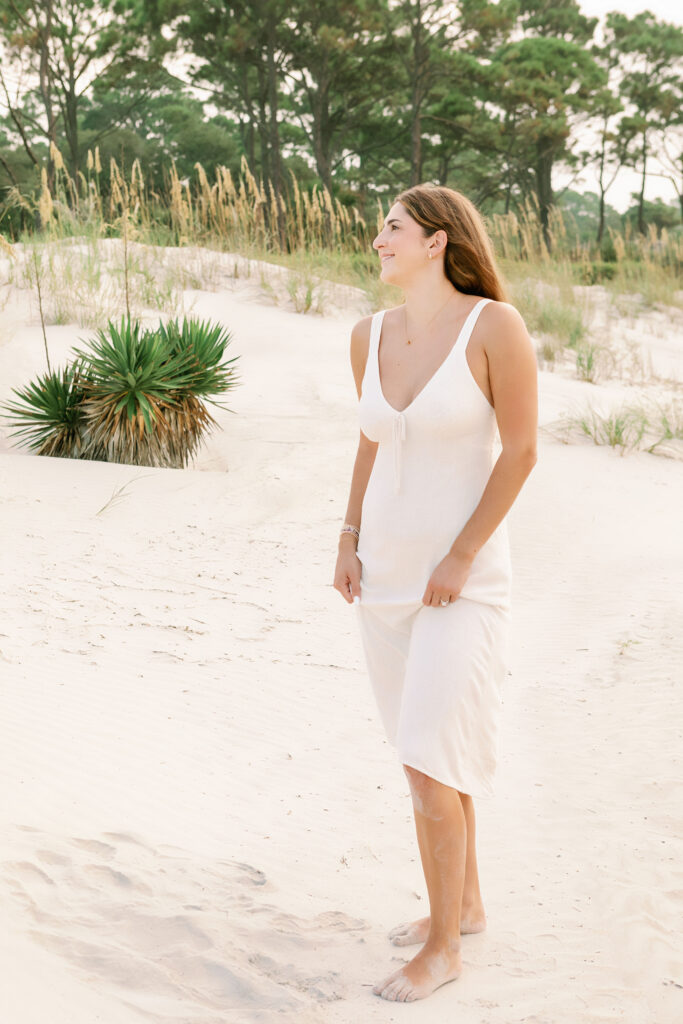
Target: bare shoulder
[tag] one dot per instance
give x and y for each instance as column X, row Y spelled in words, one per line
column 504, row 332
column 513, row 375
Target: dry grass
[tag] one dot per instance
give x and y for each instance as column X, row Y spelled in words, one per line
column 647, row 424
column 139, row 251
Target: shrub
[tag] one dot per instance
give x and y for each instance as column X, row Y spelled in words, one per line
column 131, row 396
column 596, row 271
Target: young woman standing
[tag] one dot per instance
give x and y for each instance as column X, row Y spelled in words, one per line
column 424, row 551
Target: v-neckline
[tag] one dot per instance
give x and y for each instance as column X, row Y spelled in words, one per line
column 436, row 372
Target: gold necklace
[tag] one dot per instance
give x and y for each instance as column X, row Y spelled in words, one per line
column 405, row 318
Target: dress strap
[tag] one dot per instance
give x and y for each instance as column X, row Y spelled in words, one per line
column 468, row 326
column 375, row 330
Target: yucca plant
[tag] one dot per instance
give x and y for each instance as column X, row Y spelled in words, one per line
column 205, row 344
column 51, row 420
column 136, row 394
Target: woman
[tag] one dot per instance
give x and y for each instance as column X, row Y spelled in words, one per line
column 424, row 552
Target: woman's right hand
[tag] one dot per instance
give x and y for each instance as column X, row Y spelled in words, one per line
column 348, row 569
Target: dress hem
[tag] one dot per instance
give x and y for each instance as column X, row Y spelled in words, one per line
column 439, row 778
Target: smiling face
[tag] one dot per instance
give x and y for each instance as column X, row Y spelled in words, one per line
column 403, row 248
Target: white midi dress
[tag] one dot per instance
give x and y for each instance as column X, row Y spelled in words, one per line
column 437, row 672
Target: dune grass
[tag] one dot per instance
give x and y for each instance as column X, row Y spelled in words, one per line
column 135, row 251
column 653, row 425
column 314, row 236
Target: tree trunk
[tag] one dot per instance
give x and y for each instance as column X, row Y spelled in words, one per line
column 275, row 133
column 601, row 176
column 321, row 118
column 601, row 216
column 247, row 129
column 71, row 124
column 641, row 197
column 263, row 126
column 416, row 101
column 45, row 85
column 544, row 190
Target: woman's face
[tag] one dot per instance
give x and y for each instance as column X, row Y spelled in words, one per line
column 402, row 247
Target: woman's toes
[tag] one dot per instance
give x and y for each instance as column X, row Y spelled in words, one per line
column 391, row 991
column 381, row 985
column 404, row 992
column 410, row 932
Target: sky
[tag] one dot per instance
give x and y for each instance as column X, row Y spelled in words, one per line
column 627, row 181
column 662, row 9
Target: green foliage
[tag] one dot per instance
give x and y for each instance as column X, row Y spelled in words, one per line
column 132, row 395
column 620, row 428
column 608, row 251
column 596, row 271
column 203, row 345
column 653, row 426
column 582, row 214
column 51, row 417
column 659, row 213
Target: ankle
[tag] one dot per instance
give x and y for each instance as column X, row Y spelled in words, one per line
column 442, row 944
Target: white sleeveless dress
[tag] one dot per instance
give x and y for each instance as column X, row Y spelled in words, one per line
column 436, row 672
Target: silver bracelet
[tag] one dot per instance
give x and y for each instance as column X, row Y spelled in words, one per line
column 349, row 528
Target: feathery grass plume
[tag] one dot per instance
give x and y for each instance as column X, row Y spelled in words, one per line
column 141, row 212
column 190, row 209
column 181, row 212
column 66, row 195
column 249, row 178
column 298, row 214
column 618, row 244
column 56, row 157
column 220, row 203
column 45, row 207
column 228, row 184
column 312, row 216
column 273, row 217
column 260, row 205
column 95, row 213
column 206, row 203
column 116, row 195
column 6, row 247
column 331, row 220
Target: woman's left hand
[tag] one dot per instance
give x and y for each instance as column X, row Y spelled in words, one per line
column 447, row 579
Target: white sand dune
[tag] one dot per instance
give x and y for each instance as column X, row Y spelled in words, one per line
column 200, row 819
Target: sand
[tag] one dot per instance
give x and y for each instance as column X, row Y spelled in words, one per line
column 200, row 818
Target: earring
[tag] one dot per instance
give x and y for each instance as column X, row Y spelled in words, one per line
column 430, row 255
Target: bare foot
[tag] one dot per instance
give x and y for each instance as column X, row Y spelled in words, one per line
column 473, row 920
column 428, row 970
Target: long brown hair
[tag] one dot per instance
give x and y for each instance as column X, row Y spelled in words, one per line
column 469, row 260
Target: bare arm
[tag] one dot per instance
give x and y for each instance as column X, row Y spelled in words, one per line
column 367, row 449
column 513, row 375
